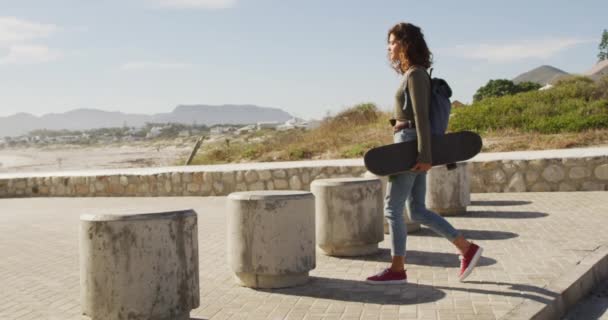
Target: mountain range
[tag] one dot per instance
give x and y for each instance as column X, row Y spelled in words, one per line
column 542, row 75
column 85, row 119
column 545, row 74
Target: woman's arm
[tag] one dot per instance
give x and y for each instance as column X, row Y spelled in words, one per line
column 419, row 89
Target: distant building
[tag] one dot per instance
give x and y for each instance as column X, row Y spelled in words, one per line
column 296, row 123
column 221, row 129
column 246, row 129
column 134, row 131
column 131, row 138
column 285, row 127
column 154, row 132
column 22, row 139
column 457, row 104
column 598, row 71
column 67, row 139
column 268, row 125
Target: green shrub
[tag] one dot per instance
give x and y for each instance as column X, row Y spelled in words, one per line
column 574, row 104
column 503, row 87
column 251, row 152
column 299, row 153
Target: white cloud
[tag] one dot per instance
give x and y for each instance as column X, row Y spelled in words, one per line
column 27, row 54
column 506, row 52
column 14, row 30
column 202, row 4
column 16, row 41
column 146, row 65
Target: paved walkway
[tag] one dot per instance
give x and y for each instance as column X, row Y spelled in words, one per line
column 529, row 240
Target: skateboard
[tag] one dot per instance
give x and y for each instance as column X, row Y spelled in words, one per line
column 401, row 157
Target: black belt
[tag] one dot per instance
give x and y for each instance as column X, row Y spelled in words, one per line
column 408, row 124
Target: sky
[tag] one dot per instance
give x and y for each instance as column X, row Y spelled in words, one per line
column 310, row 58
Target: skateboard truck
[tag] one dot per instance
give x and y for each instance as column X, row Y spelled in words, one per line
column 451, row 166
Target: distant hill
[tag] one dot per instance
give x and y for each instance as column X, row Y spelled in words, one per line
column 542, row 75
column 84, row 119
column 598, row 71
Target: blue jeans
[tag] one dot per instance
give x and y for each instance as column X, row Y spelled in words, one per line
column 410, row 188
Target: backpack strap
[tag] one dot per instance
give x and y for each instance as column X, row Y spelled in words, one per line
column 406, row 89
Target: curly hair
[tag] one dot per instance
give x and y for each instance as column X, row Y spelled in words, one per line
column 415, row 50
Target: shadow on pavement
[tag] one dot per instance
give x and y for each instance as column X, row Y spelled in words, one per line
column 411, row 293
column 500, row 203
column 359, row 291
column 423, row 258
column 504, row 214
column 525, row 291
column 471, row 234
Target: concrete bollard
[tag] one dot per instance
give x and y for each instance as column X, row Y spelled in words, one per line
column 349, row 215
column 271, row 237
column 409, row 224
column 139, row 266
column 448, row 192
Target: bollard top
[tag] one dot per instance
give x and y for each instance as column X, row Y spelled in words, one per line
column 132, row 214
column 269, row 195
column 343, row 181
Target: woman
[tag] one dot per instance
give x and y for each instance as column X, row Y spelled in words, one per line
column 410, row 56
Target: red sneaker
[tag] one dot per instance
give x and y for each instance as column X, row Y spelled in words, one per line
column 387, row 276
column 469, row 261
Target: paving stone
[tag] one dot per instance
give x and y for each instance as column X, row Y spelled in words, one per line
column 522, row 234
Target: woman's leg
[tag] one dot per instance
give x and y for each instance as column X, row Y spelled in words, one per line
column 469, row 253
column 397, row 191
column 419, row 212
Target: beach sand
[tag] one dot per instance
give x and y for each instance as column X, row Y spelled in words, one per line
column 80, row 158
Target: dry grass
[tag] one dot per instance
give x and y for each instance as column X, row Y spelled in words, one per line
column 354, row 131
column 347, row 135
column 511, row 140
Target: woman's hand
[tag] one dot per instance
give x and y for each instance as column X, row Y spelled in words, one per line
column 422, row 167
column 399, row 125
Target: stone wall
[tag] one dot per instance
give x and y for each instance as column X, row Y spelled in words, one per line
column 540, row 175
column 585, row 173
column 203, row 183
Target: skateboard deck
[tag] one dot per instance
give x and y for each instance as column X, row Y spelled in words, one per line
column 401, row 157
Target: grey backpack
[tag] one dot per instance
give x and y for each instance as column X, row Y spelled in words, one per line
column 440, row 106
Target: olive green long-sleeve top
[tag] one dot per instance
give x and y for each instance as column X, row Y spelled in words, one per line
column 417, row 108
